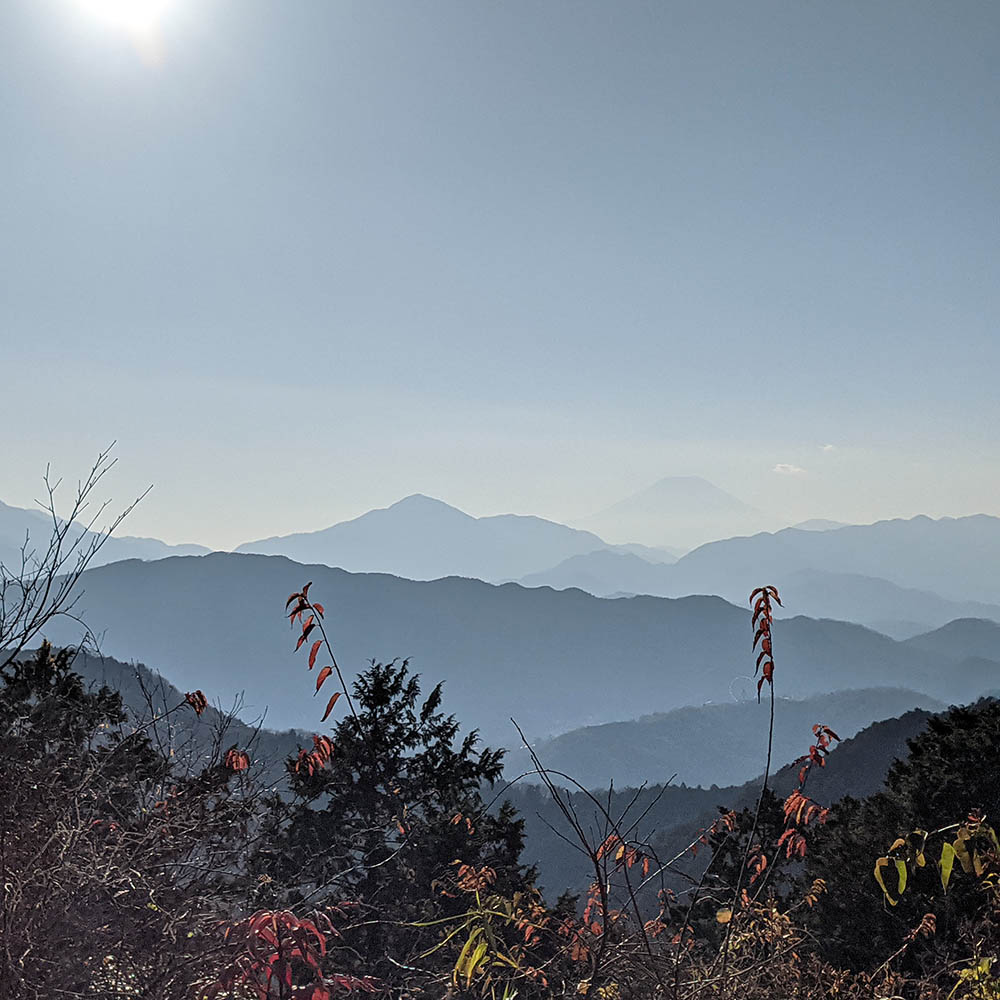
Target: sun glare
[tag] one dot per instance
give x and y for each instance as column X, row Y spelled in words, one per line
column 136, row 16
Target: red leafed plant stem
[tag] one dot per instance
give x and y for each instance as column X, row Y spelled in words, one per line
column 302, row 604
column 763, row 617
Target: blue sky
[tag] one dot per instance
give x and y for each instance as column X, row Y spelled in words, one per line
column 301, row 259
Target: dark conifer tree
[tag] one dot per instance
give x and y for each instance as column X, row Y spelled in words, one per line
column 383, row 822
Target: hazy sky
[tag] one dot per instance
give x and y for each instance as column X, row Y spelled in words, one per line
column 303, row 257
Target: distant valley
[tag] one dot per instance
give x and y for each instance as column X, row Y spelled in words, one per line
column 715, row 744
column 673, row 814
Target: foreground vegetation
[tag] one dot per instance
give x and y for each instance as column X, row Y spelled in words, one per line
column 137, row 862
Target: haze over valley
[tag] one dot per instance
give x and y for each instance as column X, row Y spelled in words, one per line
column 463, row 598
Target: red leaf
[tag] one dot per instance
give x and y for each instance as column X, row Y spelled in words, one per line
column 322, row 676
column 313, row 652
column 306, row 629
column 237, row 760
column 324, row 748
column 320, row 610
column 292, row 598
column 329, row 707
column 305, row 590
column 197, row 700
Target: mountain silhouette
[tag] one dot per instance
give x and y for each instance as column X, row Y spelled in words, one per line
column 421, row 538
column 679, row 511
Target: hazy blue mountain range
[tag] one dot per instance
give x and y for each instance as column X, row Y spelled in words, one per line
column 554, row 660
column 678, row 511
column 421, row 538
column 841, row 573
column 878, row 575
column 720, row 744
column 953, row 557
column 898, row 611
column 16, row 524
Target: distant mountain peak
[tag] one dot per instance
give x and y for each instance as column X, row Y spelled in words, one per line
column 421, row 537
column 680, row 490
column 421, row 504
column 681, row 511
column 700, row 481
column 419, row 500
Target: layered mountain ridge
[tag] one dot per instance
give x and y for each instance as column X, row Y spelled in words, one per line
column 552, row 660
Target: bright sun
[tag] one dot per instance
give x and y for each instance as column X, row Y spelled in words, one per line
column 139, row 16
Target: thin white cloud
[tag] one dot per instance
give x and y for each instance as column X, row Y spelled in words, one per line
column 827, row 447
column 784, row 469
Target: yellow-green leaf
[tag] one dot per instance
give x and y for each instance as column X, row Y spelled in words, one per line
column 901, row 868
column 879, row 865
column 962, row 852
column 947, row 863
column 474, row 962
column 462, row 964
